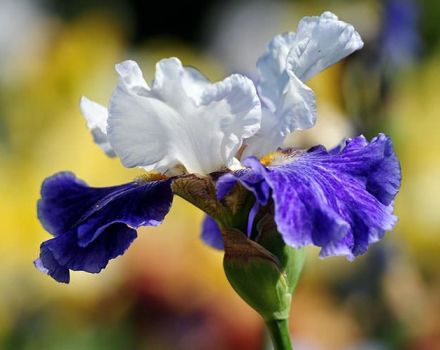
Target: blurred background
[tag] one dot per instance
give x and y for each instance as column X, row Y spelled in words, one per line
column 169, row 290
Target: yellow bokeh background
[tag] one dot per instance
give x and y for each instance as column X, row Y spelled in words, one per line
column 42, row 132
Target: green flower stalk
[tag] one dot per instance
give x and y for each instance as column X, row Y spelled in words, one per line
column 260, row 267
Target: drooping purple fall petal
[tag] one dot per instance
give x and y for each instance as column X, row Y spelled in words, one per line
column 340, row 200
column 93, row 225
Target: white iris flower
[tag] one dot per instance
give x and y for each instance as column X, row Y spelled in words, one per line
column 183, row 121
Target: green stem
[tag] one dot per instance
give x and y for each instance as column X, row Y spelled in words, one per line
column 279, row 332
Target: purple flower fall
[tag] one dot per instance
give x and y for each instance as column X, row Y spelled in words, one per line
column 340, row 200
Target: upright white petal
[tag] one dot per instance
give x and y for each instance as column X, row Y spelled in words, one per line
column 289, row 60
column 267, row 139
column 272, row 68
column 96, row 116
column 182, row 120
column 131, row 77
column 288, row 104
column 296, row 110
column 286, row 96
column 175, row 83
column 297, row 107
column 319, row 43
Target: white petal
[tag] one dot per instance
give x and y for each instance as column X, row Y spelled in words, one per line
column 296, row 111
column 96, row 116
column 272, row 66
column 290, row 59
column 131, row 76
column 267, row 139
column 174, row 83
column 233, row 104
column 320, row 42
column 291, row 102
column 183, row 120
column 138, row 127
column 236, row 165
column 291, row 105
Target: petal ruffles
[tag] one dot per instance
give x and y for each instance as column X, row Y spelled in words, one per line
column 93, row 225
column 340, row 200
column 291, row 59
column 183, row 120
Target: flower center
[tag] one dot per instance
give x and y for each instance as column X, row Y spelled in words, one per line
column 280, row 157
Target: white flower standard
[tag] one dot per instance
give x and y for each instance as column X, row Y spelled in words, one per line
column 290, row 59
column 96, row 116
column 182, row 120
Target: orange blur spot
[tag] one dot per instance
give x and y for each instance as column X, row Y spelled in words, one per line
column 270, row 157
column 151, row 176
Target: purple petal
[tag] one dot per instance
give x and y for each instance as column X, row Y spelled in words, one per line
column 65, row 199
column 251, row 180
column 375, row 161
column 61, row 254
column 254, row 183
column 340, row 200
column 93, row 225
column 137, row 205
column 251, row 217
column 224, row 185
column 211, row 234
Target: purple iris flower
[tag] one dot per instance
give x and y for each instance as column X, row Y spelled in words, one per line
column 217, row 146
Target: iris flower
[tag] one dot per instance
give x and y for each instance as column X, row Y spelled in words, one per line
column 218, row 145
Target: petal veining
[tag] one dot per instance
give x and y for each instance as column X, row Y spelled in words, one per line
column 340, row 200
